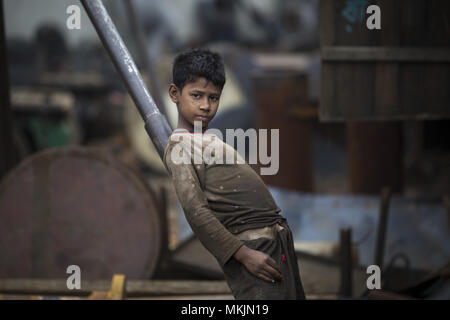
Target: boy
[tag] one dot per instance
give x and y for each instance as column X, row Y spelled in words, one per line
column 228, row 206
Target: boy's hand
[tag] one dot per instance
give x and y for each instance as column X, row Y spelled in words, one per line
column 259, row 264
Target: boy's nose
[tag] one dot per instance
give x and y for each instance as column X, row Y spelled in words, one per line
column 205, row 106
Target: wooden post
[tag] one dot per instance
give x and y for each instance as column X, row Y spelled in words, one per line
column 118, row 288
column 277, row 94
column 446, row 204
column 7, row 152
column 346, row 263
column 382, row 226
column 375, row 151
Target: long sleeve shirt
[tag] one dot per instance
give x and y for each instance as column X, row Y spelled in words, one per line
column 220, row 199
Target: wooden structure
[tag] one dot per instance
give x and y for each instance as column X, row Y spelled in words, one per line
column 7, row 151
column 375, row 155
column 401, row 71
column 282, row 102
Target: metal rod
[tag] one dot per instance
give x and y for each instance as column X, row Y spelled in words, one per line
column 149, row 66
column 382, row 226
column 346, row 262
column 156, row 123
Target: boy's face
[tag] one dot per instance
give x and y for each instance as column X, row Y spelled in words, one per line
column 198, row 101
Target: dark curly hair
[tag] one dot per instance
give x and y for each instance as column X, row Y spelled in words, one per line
column 198, row 63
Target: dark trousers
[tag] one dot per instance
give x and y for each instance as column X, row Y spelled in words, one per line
column 246, row 286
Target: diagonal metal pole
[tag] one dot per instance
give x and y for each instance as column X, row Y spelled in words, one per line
column 156, row 123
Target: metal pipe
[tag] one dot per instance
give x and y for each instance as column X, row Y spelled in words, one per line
column 156, row 123
column 382, row 226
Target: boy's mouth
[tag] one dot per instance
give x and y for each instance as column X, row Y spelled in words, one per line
column 202, row 118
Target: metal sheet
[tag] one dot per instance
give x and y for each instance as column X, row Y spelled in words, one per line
column 417, row 228
column 77, row 206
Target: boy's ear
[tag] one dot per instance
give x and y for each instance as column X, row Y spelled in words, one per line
column 173, row 93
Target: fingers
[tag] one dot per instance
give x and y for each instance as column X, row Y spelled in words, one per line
column 262, row 266
column 272, row 268
column 273, row 264
column 269, row 273
column 264, row 276
column 274, row 273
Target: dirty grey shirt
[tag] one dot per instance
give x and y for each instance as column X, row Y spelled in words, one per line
column 220, row 197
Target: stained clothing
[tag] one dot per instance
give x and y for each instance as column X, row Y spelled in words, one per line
column 221, row 195
column 219, row 199
column 246, row 286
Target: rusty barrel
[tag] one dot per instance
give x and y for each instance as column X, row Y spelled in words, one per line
column 77, row 206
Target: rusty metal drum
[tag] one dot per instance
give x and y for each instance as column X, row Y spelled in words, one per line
column 77, row 206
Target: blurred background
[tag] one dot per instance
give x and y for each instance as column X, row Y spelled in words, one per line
column 364, row 126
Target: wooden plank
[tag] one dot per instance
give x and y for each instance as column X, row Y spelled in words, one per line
column 412, row 23
column 387, row 54
column 328, row 92
column 176, row 287
column 386, row 93
column 133, row 287
column 438, row 23
column 436, row 85
column 389, row 23
column 118, row 288
column 354, row 89
column 411, row 89
column 331, row 117
column 50, row 287
column 386, row 73
column 326, row 13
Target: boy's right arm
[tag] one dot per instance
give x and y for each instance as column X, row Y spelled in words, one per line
column 211, row 233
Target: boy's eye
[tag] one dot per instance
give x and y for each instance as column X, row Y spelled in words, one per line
column 196, row 95
column 215, row 99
